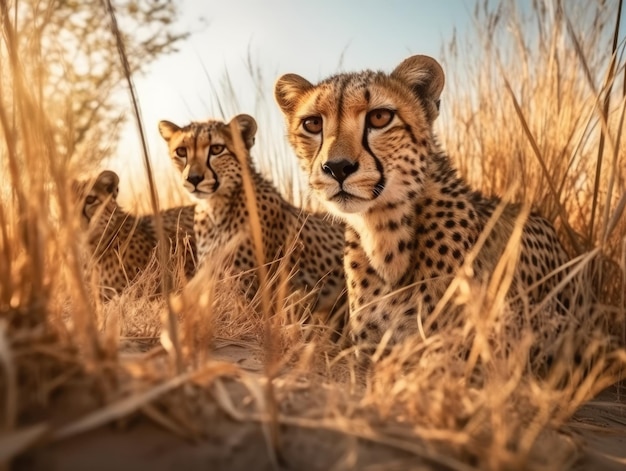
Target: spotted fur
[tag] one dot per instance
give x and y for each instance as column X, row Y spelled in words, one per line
column 122, row 246
column 366, row 143
column 309, row 245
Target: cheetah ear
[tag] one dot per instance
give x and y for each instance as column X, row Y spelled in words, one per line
column 109, row 182
column 78, row 187
column 425, row 77
column 167, row 129
column 288, row 89
column 248, row 127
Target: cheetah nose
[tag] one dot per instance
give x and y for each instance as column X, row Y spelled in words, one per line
column 195, row 179
column 340, row 169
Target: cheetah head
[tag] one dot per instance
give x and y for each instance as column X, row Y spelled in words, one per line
column 93, row 197
column 363, row 138
column 97, row 202
column 203, row 152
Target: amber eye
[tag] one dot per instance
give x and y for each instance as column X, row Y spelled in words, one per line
column 216, row 149
column 90, row 199
column 312, row 124
column 181, row 152
column 379, row 118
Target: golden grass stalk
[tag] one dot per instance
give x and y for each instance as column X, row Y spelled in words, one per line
column 172, row 325
column 241, row 152
column 604, row 111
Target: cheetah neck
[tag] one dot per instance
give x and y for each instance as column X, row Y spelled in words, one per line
column 381, row 240
column 212, row 210
column 222, row 210
column 388, row 232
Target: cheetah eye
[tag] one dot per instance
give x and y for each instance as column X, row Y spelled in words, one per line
column 379, row 118
column 216, row 149
column 90, row 199
column 312, row 124
column 181, row 152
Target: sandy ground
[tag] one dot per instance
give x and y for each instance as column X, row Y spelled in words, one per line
column 601, row 423
column 598, row 430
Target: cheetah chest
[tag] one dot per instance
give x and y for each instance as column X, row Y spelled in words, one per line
column 382, row 297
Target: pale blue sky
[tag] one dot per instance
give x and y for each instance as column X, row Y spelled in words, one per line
column 313, row 39
column 310, row 38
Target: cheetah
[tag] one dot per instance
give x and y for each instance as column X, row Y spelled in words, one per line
column 366, row 142
column 312, row 246
column 122, row 246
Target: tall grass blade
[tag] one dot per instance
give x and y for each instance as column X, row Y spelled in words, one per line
column 166, row 282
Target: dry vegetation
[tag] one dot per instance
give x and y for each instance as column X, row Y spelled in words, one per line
column 536, row 114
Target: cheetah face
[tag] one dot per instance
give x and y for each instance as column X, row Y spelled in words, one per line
column 203, row 153
column 363, row 138
column 97, row 199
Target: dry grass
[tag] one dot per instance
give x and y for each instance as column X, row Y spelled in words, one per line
column 524, row 108
column 552, row 90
